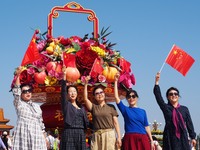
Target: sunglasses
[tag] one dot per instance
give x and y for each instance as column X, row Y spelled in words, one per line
column 175, row 94
column 129, row 96
column 98, row 93
column 26, row 91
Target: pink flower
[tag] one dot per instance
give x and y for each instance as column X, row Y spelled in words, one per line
column 30, row 70
column 83, row 79
column 41, row 45
column 101, row 78
column 127, row 80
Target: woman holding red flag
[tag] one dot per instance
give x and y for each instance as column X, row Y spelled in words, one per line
column 177, row 117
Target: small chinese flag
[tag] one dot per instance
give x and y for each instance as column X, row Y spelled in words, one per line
column 179, row 60
column 124, row 65
column 96, row 68
column 69, row 60
column 32, row 54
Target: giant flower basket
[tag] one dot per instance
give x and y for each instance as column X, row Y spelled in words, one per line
column 89, row 55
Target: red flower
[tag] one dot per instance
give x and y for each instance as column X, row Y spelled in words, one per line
column 85, row 58
column 64, row 41
column 85, row 45
column 25, row 77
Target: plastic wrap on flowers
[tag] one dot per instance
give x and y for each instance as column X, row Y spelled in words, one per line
column 82, row 57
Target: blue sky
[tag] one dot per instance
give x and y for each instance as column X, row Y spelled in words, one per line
column 143, row 30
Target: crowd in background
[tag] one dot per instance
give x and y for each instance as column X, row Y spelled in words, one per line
column 52, row 138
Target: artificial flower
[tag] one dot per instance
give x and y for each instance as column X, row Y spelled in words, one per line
column 85, row 58
column 86, row 50
column 127, row 80
column 101, row 78
column 50, row 81
column 25, row 77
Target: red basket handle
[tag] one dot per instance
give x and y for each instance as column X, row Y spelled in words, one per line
column 72, row 7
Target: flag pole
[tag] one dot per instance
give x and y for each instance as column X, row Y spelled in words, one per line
column 162, row 67
column 166, row 59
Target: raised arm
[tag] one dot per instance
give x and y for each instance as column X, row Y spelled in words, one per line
column 117, row 99
column 88, row 103
column 157, row 78
column 18, row 71
column 64, row 72
column 158, row 95
column 16, row 89
column 63, row 89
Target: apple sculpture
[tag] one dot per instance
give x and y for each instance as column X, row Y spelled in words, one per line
column 39, row 77
column 72, row 74
column 55, row 66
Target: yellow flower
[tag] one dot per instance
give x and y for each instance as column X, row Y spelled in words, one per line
column 98, row 50
column 49, row 81
column 70, row 50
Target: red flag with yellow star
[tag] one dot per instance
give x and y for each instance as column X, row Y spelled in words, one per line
column 32, row 54
column 69, row 60
column 179, row 60
column 96, row 68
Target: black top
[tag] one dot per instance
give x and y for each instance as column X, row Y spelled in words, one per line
column 69, row 110
column 170, row 141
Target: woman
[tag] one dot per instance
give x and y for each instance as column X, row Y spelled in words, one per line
column 104, row 117
column 30, row 130
column 177, row 119
column 137, row 131
column 75, row 119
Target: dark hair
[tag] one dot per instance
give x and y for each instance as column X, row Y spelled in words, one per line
column 67, row 88
column 26, row 84
column 49, row 132
column 129, row 91
column 172, row 88
column 97, row 87
column 154, row 138
column 73, row 87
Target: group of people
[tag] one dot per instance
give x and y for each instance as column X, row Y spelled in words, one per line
column 106, row 135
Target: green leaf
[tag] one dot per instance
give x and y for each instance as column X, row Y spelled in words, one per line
column 103, row 32
column 76, row 46
column 102, row 83
column 105, row 35
column 44, row 33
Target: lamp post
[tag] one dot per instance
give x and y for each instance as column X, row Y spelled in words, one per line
column 156, row 132
column 155, row 125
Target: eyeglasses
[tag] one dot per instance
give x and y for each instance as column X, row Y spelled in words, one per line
column 129, row 96
column 175, row 94
column 98, row 93
column 26, row 91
